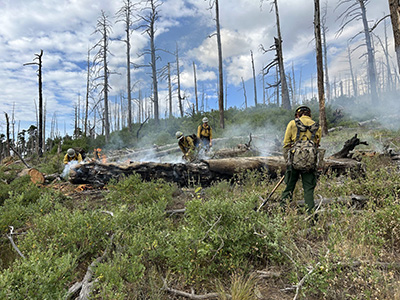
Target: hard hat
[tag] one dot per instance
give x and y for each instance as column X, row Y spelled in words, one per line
column 71, row 152
column 303, row 108
column 205, row 120
column 179, row 135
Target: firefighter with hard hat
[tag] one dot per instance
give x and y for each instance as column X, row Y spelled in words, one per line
column 301, row 128
column 187, row 146
column 72, row 156
column 204, row 133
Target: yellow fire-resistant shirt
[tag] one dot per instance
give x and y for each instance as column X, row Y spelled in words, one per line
column 291, row 132
column 77, row 157
column 204, row 131
column 186, row 144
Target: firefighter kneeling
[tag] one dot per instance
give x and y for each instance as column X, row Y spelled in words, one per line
column 187, row 145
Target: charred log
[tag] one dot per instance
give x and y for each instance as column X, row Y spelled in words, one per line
column 184, row 174
column 349, row 145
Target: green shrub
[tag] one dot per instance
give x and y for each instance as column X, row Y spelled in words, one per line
column 20, row 185
column 133, row 190
column 41, row 275
column 218, row 236
column 77, row 232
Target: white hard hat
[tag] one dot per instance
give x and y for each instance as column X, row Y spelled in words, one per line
column 71, row 152
column 205, row 120
column 179, row 135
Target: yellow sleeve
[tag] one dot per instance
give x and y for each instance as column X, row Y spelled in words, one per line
column 198, row 131
column 79, row 158
column 290, row 134
column 190, row 142
column 317, row 139
column 65, row 159
column 210, row 133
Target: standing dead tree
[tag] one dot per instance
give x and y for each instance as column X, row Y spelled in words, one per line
column 103, row 27
column 195, row 87
column 324, row 31
column 215, row 4
column 39, row 64
column 320, row 68
column 148, row 17
column 394, row 6
column 124, row 15
column 254, row 78
column 178, row 76
column 278, row 60
column 357, row 11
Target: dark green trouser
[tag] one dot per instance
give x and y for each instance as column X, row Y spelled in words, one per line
column 309, row 180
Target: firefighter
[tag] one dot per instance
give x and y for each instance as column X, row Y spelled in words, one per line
column 187, row 146
column 309, row 177
column 72, row 156
column 204, row 133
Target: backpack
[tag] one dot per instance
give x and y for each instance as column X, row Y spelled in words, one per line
column 196, row 140
column 303, row 154
column 81, row 151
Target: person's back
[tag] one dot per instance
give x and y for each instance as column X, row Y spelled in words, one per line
column 311, row 132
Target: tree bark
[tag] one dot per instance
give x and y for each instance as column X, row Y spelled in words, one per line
column 370, row 52
column 195, row 88
column 320, row 68
column 394, row 6
column 254, row 79
column 180, row 98
column 220, row 69
column 282, row 75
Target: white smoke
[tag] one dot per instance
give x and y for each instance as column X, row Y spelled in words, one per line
column 67, row 168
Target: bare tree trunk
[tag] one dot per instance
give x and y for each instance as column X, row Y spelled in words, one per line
column 220, row 71
column 389, row 71
column 40, row 142
column 370, row 52
column 354, row 82
column 320, row 68
column 325, row 48
column 169, row 90
column 244, row 93
column 124, row 15
column 254, row 79
column 87, row 93
column 195, row 87
column 263, row 87
column 180, row 98
column 152, row 34
column 394, row 6
column 7, row 152
column 278, row 45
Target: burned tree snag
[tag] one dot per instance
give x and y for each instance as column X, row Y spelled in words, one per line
column 349, row 145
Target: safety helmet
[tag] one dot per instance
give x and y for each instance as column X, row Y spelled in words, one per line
column 302, row 108
column 205, row 120
column 71, row 152
column 179, row 135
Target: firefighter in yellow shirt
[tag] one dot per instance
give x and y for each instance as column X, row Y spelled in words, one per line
column 309, row 178
column 187, row 146
column 204, row 133
column 72, row 155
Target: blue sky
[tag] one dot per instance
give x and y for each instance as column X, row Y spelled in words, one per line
column 64, row 30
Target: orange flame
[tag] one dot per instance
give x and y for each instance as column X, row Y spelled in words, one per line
column 98, row 156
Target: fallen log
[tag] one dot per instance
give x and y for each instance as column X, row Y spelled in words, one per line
column 203, row 173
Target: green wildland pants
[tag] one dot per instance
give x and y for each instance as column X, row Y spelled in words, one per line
column 309, row 180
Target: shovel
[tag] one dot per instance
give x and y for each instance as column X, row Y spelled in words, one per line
column 270, row 194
